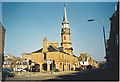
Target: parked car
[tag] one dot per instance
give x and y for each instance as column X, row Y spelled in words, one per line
column 56, row 70
column 7, row 73
column 89, row 67
column 26, row 69
column 77, row 69
column 10, row 69
column 71, row 69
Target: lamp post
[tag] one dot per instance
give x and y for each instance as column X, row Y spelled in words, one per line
column 103, row 31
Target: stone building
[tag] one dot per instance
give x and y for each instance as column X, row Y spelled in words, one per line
column 52, row 56
column 26, row 56
column 2, row 39
column 8, row 63
column 112, row 56
column 84, row 60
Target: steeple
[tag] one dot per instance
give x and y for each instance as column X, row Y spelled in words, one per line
column 65, row 14
column 65, row 23
column 65, row 33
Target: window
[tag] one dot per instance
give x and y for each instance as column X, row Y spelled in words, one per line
column 83, row 62
column 44, row 56
column 64, row 37
column 60, row 55
column 64, row 56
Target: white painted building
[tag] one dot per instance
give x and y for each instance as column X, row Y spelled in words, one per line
column 83, row 62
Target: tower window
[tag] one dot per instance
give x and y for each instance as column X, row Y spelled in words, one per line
column 60, row 55
column 64, row 37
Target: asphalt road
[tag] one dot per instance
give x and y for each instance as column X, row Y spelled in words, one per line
column 91, row 75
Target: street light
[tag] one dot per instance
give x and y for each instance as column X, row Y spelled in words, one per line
column 103, row 32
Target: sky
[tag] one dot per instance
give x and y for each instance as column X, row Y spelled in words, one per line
column 27, row 23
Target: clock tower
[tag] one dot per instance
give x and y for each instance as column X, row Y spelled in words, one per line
column 65, row 34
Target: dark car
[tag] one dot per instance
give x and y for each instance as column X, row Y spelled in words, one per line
column 77, row 69
column 56, row 70
column 7, row 73
column 10, row 69
column 26, row 69
column 89, row 67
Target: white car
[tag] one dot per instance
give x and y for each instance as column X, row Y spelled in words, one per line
column 19, row 69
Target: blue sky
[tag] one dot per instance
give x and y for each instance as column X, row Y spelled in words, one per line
column 27, row 23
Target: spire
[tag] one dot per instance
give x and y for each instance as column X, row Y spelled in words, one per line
column 65, row 14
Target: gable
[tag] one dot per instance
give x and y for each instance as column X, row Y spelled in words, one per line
column 51, row 48
column 40, row 50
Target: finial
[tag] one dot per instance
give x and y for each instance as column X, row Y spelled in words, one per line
column 65, row 14
column 65, row 5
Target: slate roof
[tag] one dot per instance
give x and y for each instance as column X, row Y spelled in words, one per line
column 40, row 50
column 52, row 48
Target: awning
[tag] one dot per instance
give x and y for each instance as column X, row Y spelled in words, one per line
column 84, row 66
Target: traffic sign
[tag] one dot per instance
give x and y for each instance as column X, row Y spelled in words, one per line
column 49, row 61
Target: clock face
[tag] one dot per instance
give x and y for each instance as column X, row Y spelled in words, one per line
column 67, row 30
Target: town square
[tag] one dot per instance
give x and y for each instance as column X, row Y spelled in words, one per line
column 47, row 41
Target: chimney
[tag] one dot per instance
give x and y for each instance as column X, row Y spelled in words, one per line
column 44, row 45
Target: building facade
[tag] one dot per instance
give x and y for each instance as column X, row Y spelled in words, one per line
column 112, row 56
column 84, row 60
column 53, row 57
column 26, row 56
column 2, row 40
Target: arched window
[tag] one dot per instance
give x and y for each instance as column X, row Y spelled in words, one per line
column 64, row 37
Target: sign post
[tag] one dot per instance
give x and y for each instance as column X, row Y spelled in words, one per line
column 50, row 62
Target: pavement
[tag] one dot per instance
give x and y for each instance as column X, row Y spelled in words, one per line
column 38, row 76
column 27, row 74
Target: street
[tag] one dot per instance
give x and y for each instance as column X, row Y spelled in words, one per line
column 94, row 74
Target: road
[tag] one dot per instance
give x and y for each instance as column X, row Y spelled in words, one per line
column 89, row 75
column 94, row 74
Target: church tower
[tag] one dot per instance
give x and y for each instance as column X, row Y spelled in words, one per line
column 65, row 34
